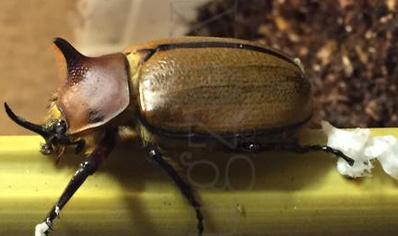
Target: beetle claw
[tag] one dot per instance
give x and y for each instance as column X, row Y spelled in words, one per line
column 43, row 229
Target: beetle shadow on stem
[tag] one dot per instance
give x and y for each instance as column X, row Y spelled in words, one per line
column 128, row 165
column 208, row 171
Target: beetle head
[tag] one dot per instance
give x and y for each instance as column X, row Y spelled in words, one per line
column 54, row 132
column 95, row 90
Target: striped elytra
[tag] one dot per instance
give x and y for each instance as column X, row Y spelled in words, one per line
column 205, row 85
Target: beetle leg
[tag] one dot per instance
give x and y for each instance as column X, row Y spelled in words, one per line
column 87, row 167
column 307, row 148
column 292, row 147
column 186, row 190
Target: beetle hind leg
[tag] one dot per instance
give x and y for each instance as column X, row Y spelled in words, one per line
column 327, row 149
column 186, row 190
column 308, row 148
column 293, row 147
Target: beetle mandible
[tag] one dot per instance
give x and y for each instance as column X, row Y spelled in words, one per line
column 175, row 89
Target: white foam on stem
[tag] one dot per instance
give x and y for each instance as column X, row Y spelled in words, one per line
column 361, row 146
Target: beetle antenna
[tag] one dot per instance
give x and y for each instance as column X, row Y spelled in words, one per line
column 26, row 124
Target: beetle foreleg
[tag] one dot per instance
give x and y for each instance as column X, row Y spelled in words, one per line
column 186, row 190
column 87, row 167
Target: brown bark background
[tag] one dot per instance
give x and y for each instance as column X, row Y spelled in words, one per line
column 28, row 72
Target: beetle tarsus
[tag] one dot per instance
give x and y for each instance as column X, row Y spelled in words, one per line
column 293, row 147
column 186, row 190
column 43, row 229
column 336, row 152
column 308, row 148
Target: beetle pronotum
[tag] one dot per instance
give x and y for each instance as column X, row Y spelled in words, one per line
column 175, row 89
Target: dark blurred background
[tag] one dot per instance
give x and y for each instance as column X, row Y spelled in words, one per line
column 349, row 48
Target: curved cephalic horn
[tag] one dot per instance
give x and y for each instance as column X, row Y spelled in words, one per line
column 71, row 55
column 26, row 124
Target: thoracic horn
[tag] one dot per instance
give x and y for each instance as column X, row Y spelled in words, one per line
column 72, row 57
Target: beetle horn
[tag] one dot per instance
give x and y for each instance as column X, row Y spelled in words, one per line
column 71, row 55
column 26, row 124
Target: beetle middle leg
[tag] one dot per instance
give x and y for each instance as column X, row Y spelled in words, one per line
column 186, row 190
column 297, row 148
column 87, row 167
